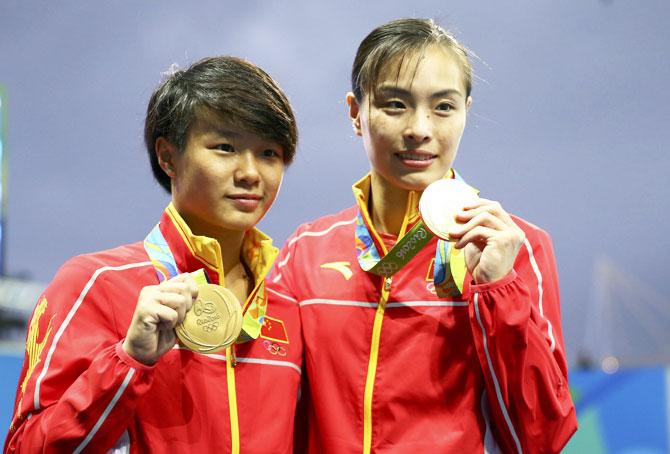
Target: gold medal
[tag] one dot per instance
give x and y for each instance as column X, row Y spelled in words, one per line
column 213, row 323
column 440, row 202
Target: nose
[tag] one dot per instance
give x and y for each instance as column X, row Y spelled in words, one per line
column 247, row 169
column 418, row 128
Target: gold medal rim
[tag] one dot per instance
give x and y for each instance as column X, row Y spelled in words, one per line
column 221, row 296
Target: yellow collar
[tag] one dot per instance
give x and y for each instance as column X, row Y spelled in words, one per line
column 192, row 250
column 361, row 191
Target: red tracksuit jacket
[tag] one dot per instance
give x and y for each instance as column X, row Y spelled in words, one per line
column 391, row 367
column 79, row 391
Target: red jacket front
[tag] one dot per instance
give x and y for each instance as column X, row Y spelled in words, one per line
column 391, row 367
column 80, row 391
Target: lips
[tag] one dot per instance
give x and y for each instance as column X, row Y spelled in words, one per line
column 246, row 202
column 416, row 158
column 245, row 196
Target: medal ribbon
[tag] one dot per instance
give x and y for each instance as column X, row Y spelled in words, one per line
column 449, row 270
column 160, row 255
column 164, row 263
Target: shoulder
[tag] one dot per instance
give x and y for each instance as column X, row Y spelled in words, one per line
column 83, row 284
column 325, row 226
column 534, row 234
column 126, row 256
column 538, row 249
column 84, row 269
column 312, row 239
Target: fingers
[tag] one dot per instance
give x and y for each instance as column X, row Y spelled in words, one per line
column 179, row 293
column 160, row 308
column 184, row 277
column 482, row 221
column 483, row 213
column 157, row 316
column 178, row 303
column 478, row 235
column 175, row 296
column 491, row 207
column 152, row 321
column 187, row 281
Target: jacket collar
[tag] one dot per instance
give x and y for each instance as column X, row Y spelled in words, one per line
column 193, row 252
column 362, row 190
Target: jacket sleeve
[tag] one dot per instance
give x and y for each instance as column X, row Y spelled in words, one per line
column 516, row 324
column 78, row 389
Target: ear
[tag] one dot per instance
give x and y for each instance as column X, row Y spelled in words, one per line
column 354, row 113
column 468, row 103
column 166, row 154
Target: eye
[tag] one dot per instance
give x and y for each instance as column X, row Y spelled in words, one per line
column 444, row 107
column 225, row 147
column 394, row 105
column 270, row 153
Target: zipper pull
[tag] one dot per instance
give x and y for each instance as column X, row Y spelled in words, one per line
column 387, row 284
column 232, row 357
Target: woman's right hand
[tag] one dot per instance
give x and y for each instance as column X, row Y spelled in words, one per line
column 160, row 308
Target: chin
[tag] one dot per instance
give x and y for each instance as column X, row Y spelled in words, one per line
column 416, row 182
column 240, row 222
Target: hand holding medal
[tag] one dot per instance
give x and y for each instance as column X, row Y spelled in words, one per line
column 160, row 308
column 490, row 238
column 205, row 318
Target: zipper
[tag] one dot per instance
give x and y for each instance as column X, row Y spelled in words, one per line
column 412, row 201
column 372, row 366
column 232, row 400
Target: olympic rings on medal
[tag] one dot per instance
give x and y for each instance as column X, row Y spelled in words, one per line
column 210, row 327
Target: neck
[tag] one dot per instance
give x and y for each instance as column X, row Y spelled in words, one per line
column 231, row 250
column 230, row 241
column 238, row 278
column 387, row 205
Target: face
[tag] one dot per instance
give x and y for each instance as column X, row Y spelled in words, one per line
column 412, row 125
column 226, row 178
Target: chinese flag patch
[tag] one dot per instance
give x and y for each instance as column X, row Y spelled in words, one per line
column 273, row 329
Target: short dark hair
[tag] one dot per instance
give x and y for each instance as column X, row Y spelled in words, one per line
column 399, row 38
column 238, row 91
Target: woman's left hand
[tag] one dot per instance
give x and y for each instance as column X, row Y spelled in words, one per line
column 491, row 240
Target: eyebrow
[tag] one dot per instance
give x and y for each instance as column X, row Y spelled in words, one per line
column 390, row 90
